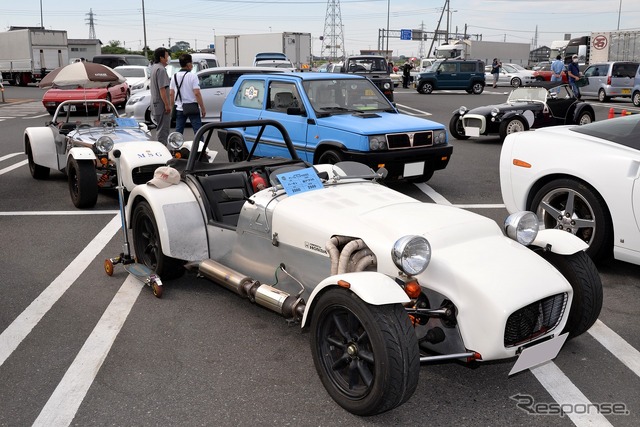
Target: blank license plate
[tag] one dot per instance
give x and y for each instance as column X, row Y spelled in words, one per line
column 626, row 91
column 472, row 131
column 413, row 169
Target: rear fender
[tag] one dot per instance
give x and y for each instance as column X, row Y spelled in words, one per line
column 371, row 287
column 559, row 242
column 179, row 218
column 43, row 146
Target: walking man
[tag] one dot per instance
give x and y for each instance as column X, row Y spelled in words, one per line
column 160, row 101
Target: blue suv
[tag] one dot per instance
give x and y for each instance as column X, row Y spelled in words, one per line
column 332, row 118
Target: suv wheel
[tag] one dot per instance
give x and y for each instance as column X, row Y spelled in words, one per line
column 425, row 88
column 477, row 88
column 636, row 98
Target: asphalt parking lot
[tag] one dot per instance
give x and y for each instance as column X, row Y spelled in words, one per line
column 80, row 348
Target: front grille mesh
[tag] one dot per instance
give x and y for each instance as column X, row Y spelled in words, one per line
column 534, row 320
column 472, row 122
column 408, row 140
column 142, row 174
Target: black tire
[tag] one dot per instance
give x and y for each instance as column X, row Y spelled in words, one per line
column 17, row 79
column 602, row 96
column 147, row 245
column 147, row 117
column 51, row 111
column 330, row 157
column 366, row 356
column 236, row 149
column 83, row 184
column 583, row 276
column 516, row 82
column 477, row 88
column 539, row 79
column 585, row 117
column 512, row 125
column 425, row 88
column 108, row 98
column 455, row 127
column 586, row 208
column 37, row 171
column 126, row 99
column 635, row 98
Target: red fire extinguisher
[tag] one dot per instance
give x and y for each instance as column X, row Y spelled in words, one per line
column 258, row 182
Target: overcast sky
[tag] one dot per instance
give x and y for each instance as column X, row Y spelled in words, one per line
column 196, row 21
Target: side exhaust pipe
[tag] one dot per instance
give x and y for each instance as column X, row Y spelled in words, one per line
column 267, row 296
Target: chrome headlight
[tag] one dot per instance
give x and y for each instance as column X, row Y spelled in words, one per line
column 439, row 136
column 411, row 254
column 175, row 140
column 494, row 111
column 377, row 142
column 138, row 86
column 462, row 110
column 104, row 144
column 522, row 227
column 387, row 85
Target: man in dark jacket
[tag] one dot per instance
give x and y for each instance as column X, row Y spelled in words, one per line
column 406, row 73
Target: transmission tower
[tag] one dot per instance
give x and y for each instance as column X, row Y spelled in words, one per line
column 332, row 37
column 92, row 28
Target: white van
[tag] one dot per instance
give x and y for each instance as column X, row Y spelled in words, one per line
column 209, row 58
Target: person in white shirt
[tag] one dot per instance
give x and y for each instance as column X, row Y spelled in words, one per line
column 185, row 94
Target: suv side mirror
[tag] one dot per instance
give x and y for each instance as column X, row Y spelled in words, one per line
column 296, row 111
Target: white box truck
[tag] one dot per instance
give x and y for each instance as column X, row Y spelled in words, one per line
column 622, row 45
column 512, row 53
column 27, row 55
column 241, row 49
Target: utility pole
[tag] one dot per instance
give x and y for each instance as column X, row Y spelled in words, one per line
column 144, row 30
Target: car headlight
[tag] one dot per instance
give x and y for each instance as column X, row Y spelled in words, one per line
column 462, row 110
column 377, row 142
column 104, row 144
column 175, row 140
column 138, row 86
column 494, row 111
column 522, row 227
column 133, row 100
column 411, row 254
column 387, row 85
column 439, row 136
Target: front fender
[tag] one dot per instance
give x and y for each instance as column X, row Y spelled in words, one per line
column 81, row 153
column 561, row 242
column 179, row 218
column 371, row 287
column 43, row 146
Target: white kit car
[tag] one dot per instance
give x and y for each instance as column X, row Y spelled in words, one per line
column 584, row 180
column 81, row 146
column 382, row 281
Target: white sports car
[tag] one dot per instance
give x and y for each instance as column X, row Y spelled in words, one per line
column 382, row 281
column 81, row 146
column 580, row 179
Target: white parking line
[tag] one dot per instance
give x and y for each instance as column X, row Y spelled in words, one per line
column 433, row 194
column 36, row 117
column 31, row 316
column 53, row 213
column 406, row 107
column 565, row 392
column 12, row 167
column 8, row 156
column 617, row 346
column 63, row 404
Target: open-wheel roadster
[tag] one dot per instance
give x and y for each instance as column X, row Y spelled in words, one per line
column 382, row 281
column 80, row 141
